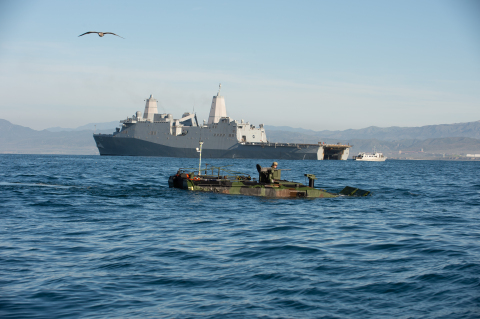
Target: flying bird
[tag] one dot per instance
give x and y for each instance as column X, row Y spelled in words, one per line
column 101, row 34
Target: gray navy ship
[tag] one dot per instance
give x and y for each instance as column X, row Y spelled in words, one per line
column 155, row 134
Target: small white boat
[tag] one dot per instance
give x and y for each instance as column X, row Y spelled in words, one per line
column 375, row 157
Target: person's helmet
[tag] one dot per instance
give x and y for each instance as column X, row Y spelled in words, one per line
column 274, row 164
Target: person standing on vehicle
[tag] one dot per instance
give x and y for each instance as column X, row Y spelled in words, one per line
column 274, row 173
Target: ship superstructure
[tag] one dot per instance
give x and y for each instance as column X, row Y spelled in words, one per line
column 155, row 134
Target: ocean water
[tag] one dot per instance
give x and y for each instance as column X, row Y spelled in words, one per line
column 104, row 237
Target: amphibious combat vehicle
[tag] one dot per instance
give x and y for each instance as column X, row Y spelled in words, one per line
column 269, row 183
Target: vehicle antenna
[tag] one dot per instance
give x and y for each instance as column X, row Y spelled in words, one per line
column 200, row 158
column 219, row 88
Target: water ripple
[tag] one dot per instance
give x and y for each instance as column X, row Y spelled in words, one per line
column 101, row 237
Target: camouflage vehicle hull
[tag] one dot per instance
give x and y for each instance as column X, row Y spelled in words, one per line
column 242, row 185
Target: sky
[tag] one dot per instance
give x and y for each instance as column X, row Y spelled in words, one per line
column 320, row 65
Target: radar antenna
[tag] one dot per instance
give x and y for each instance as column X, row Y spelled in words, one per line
column 219, row 88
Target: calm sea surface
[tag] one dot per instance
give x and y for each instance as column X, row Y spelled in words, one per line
column 104, row 237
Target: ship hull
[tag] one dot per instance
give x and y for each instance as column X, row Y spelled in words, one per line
column 110, row 145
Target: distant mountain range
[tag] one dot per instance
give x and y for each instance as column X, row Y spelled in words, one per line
column 461, row 138
column 90, row 126
column 470, row 129
column 399, row 142
column 23, row 140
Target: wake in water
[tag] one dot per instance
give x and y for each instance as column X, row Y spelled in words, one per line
column 34, row 185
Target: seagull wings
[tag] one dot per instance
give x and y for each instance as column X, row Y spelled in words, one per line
column 102, row 33
column 113, row 34
column 88, row 33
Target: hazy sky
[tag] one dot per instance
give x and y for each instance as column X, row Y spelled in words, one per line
column 313, row 64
